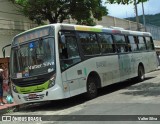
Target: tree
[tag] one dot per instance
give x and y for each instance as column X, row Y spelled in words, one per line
column 56, row 11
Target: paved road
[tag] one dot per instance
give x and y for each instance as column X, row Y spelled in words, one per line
column 125, row 98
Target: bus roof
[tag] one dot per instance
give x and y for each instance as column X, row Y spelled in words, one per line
column 103, row 29
column 92, row 29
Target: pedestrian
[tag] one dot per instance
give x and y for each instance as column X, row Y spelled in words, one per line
column 5, row 77
column 1, row 87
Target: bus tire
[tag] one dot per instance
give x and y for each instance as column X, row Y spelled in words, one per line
column 91, row 88
column 141, row 73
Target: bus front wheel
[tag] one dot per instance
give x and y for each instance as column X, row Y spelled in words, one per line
column 141, row 73
column 91, row 88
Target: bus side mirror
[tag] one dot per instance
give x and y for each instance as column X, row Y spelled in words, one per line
column 63, row 39
column 3, row 50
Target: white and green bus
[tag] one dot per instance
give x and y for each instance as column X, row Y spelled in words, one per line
column 59, row 61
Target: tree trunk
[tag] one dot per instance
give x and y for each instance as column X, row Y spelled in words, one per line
column 137, row 19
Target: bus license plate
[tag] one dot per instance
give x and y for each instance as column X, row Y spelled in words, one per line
column 32, row 96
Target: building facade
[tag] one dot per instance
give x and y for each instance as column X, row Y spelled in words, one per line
column 11, row 23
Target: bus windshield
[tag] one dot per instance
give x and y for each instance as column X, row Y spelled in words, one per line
column 33, row 58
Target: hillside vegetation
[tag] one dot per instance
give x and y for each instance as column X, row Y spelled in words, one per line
column 150, row 19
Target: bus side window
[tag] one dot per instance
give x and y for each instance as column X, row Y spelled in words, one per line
column 106, row 43
column 64, row 53
column 133, row 43
column 62, row 46
column 69, row 54
column 149, row 43
column 89, row 43
column 128, row 45
column 62, row 50
column 141, row 43
column 120, row 43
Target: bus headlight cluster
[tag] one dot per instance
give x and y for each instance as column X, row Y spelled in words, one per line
column 14, row 89
column 51, row 82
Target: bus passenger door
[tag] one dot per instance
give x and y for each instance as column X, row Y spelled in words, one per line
column 124, row 66
column 69, row 58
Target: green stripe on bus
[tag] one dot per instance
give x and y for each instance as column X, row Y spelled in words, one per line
column 85, row 71
column 95, row 29
column 32, row 89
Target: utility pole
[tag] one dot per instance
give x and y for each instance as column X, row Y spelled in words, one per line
column 136, row 11
column 144, row 20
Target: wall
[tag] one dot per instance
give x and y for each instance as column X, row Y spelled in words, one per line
column 11, row 23
column 109, row 21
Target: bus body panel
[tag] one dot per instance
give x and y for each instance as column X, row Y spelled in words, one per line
column 112, row 69
column 75, row 78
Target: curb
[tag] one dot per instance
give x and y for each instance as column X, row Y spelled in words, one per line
column 18, row 107
column 9, row 109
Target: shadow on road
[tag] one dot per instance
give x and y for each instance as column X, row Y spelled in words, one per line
column 141, row 89
column 54, row 105
column 121, row 85
column 144, row 89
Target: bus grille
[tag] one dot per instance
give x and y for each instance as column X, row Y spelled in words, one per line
column 31, row 82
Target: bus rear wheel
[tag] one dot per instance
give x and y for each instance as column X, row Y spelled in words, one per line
column 91, row 88
column 141, row 73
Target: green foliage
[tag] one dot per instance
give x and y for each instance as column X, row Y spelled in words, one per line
column 84, row 11
column 88, row 21
column 124, row 1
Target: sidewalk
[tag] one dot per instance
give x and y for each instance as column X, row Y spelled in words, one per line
column 6, row 108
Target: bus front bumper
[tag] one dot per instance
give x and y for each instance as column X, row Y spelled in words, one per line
column 54, row 93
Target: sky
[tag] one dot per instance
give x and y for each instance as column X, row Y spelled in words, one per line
column 126, row 11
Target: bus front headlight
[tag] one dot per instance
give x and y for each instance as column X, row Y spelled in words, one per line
column 14, row 89
column 51, row 82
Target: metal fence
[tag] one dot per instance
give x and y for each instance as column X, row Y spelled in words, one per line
column 108, row 21
column 129, row 25
column 154, row 30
